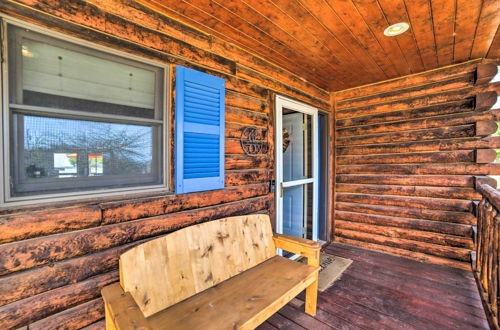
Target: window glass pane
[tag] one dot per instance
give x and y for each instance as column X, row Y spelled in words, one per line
column 60, row 75
column 297, row 210
column 55, row 154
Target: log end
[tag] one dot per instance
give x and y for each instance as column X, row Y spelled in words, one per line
column 484, row 179
column 484, row 101
column 485, row 72
column 486, row 127
column 485, row 156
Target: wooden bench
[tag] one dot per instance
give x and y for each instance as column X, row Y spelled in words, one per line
column 222, row 274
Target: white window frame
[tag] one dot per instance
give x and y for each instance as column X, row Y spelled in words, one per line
column 6, row 199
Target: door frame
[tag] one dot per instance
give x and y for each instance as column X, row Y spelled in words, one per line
column 284, row 102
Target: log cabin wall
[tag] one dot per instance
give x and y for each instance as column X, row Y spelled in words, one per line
column 408, row 151
column 56, row 258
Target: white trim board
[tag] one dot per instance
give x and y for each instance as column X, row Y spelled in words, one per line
column 283, row 102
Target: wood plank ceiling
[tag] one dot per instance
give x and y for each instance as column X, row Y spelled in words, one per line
column 338, row 44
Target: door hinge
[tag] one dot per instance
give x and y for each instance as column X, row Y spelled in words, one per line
column 304, row 232
column 281, row 189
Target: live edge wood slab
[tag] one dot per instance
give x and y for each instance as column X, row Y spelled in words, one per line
column 222, row 274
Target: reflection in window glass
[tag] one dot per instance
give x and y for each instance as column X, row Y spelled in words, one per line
column 65, row 149
column 65, row 79
column 65, row 164
column 96, row 164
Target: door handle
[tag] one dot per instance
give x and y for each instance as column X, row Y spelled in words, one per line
column 281, row 189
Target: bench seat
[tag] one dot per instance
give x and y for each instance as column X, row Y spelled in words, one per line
column 243, row 301
column 220, row 274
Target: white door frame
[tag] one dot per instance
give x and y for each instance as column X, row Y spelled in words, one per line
column 283, row 102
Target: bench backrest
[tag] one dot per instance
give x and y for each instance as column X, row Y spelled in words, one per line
column 169, row 269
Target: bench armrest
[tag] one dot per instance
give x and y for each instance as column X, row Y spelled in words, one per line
column 121, row 310
column 298, row 245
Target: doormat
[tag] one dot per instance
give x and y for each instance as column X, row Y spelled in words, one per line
column 332, row 268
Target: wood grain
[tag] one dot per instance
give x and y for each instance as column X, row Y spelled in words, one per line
column 193, row 259
column 275, row 281
column 343, row 37
column 408, row 151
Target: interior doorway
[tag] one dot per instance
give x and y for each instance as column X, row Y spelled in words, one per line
column 297, row 169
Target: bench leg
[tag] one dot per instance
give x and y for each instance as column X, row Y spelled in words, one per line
column 110, row 325
column 312, row 297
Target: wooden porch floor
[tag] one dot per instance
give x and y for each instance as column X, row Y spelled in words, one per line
column 380, row 291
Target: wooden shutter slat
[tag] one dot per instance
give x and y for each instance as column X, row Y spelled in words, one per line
column 199, row 146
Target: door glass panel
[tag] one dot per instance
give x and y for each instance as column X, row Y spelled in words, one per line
column 297, row 210
column 297, row 145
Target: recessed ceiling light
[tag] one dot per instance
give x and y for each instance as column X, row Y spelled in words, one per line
column 396, row 29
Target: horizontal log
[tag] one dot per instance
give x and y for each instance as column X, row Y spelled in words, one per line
column 485, row 73
column 421, row 101
column 39, row 251
column 418, row 169
column 407, row 82
column 460, row 156
column 416, row 191
column 244, row 177
column 460, row 106
column 458, row 82
column 484, row 156
column 399, row 222
column 488, row 180
column 486, row 127
column 411, row 202
column 35, row 281
column 246, row 117
column 263, row 80
column 38, row 223
column 466, row 218
column 410, row 180
column 247, row 102
column 99, row 325
column 242, row 162
column 407, row 254
column 432, row 249
column 454, row 132
column 421, row 146
column 74, row 318
column 118, row 27
column 57, row 220
column 126, row 210
column 448, row 241
column 29, row 310
column 418, row 124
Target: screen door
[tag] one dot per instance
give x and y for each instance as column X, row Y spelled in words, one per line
column 296, row 168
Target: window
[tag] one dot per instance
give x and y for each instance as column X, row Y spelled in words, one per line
column 80, row 119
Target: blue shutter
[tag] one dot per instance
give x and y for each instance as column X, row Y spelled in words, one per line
column 199, row 135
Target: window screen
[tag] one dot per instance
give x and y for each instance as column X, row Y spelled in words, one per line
column 81, row 119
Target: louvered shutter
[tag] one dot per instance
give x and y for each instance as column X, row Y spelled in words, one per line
column 199, row 136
